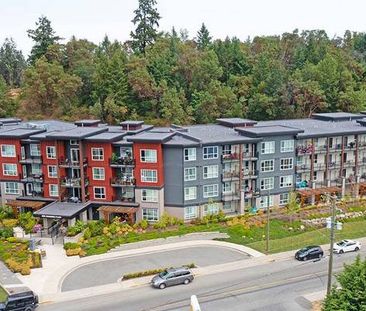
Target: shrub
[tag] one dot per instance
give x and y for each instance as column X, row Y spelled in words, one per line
column 73, row 251
column 27, row 221
column 87, row 234
column 76, row 229
column 96, row 227
column 6, row 232
column 10, row 223
column 143, row 224
column 71, row 245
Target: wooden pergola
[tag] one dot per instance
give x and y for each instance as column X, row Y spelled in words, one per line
column 362, row 188
column 107, row 210
column 17, row 204
column 317, row 193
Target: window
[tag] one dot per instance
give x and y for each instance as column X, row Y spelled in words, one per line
column 267, row 166
column 267, row 183
column 210, row 152
column 11, row 188
column 35, row 150
column 148, row 155
column 98, row 173
column 287, row 164
column 149, row 175
column 52, row 171
column 266, row 201
column 8, row 151
column 284, row 198
column 189, row 173
column 227, row 188
column 150, row 214
column 189, row 154
column 287, row 145
column 36, row 169
column 53, row 190
column 51, row 152
column 210, row 209
column 268, row 147
column 74, row 142
column 190, row 193
column 10, row 169
column 97, row 154
column 210, row 171
column 190, row 212
column 286, row 181
column 210, row 191
column 149, row 195
column 99, row 192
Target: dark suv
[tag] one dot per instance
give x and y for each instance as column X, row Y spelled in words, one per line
column 19, row 299
column 309, row 252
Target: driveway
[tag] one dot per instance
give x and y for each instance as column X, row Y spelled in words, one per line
column 109, row 271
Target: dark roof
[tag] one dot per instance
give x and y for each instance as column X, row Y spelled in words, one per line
column 337, row 116
column 106, row 137
column 132, row 122
column 76, row 133
column 158, row 137
column 10, row 120
column 233, row 122
column 123, row 142
column 87, row 122
column 61, row 210
column 19, row 133
column 264, row 131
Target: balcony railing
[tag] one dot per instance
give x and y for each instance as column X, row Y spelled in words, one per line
column 30, row 159
column 231, row 195
column 319, row 166
column 335, row 147
column 304, row 149
column 122, row 161
column 249, row 154
column 334, row 165
column 73, row 182
column 230, row 156
column 124, row 198
column 303, row 168
column 250, row 174
column 33, row 178
column 230, row 175
column 350, row 146
column 72, row 163
column 123, row 181
column 320, row 148
column 349, row 163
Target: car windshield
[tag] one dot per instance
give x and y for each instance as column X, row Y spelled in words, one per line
column 163, row 274
column 342, row 243
column 305, row 249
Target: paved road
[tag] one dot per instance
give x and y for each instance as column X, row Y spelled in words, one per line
column 275, row 286
column 110, row 271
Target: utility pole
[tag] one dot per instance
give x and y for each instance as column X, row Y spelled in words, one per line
column 267, row 234
column 332, row 225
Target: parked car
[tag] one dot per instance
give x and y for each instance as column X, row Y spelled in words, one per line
column 346, row 246
column 19, row 299
column 173, row 276
column 309, row 252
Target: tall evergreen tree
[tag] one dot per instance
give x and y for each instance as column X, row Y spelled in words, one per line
column 12, row 63
column 43, row 36
column 147, row 19
column 203, row 37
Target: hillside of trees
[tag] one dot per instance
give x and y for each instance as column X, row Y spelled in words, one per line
column 170, row 77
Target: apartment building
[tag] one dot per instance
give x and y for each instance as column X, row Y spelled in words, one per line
column 89, row 170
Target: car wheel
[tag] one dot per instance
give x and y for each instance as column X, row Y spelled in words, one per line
column 162, row 286
column 341, row 251
column 186, row 281
column 305, row 258
column 357, row 249
column 29, row 309
column 320, row 256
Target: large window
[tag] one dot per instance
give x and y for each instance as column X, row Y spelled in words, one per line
column 148, row 155
column 267, row 166
column 189, row 154
column 149, row 175
column 287, row 164
column 266, row 201
column 287, row 145
column 284, row 197
column 286, row 181
column 189, row 173
column 10, row 169
column 210, row 191
column 35, row 150
column 51, row 152
column 53, row 190
column 211, row 152
column 149, row 195
column 268, row 147
column 190, row 212
column 98, row 173
column 11, row 188
column 99, row 192
column 8, row 151
column 190, row 193
column 210, row 171
column 210, row 209
column 267, row 183
column 52, row 171
column 97, row 154
column 36, row 169
column 150, row 214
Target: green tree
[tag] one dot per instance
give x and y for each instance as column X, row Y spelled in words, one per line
column 146, row 20
column 350, row 295
column 203, row 37
column 8, row 105
column 12, row 63
column 293, row 205
column 43, row 36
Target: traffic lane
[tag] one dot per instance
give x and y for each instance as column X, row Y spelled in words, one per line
column 106, row 272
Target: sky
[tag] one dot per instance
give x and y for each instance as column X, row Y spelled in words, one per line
column 92, row 19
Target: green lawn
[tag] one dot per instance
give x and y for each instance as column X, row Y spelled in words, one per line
column 3, row 294
column 351, row 230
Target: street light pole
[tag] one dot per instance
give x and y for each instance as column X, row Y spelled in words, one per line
column 332, row 225
column 267, row 234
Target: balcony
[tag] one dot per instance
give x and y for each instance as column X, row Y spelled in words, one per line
column 38, row 178
column 230, row 157
column 349, row 163
column 73, row 182
column 249, row 194
column 304, row 149
column 250, row 174
column 232, row 175
column 248, row 155
column 334, row 165
column 350, row 146
column 362, row 145
column 30, row 160
column 123, row 181
column 303, row 168
column 124, row 198
column 362, row 162
column 321, row 148
column 319, row 167
column 335, row 148
column 231, row 196
column 122, row 161
column 68, row 163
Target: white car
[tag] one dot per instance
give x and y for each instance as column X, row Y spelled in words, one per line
column 346, row 246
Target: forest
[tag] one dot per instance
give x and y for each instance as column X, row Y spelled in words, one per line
column 171, row 77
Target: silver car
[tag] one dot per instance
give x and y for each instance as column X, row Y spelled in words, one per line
column 173, row 276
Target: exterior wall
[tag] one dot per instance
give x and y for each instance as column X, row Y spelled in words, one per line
column 11, row 160
column 146, row 205
column 45, row 162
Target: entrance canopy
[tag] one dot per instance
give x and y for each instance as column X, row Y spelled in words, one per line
column 62, row 210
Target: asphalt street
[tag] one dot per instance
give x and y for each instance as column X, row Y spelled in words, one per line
column 273, row 286
column 110, row 271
